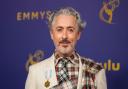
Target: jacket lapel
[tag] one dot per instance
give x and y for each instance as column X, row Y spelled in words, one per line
column 50, row 73
column 80, row 74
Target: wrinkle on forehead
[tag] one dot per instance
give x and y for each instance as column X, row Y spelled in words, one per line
column 65, row 21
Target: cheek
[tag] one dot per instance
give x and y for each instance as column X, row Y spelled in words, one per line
column 56, row 38
column 73, row 38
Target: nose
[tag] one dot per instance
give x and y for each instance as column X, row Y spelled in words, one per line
column 65, row 35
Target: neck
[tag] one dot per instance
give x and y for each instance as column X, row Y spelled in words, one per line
column 64, row 55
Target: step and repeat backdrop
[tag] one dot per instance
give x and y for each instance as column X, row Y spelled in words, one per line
column 25, row 38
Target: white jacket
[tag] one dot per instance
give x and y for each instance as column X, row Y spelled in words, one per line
column 45, row 70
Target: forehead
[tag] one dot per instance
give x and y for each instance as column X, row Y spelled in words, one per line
column 64, row 20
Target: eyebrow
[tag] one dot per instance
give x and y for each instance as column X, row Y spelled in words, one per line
column 70, row 27
column 59, row 27
column 66, row 27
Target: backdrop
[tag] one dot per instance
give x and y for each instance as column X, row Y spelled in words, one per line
column 25, row 39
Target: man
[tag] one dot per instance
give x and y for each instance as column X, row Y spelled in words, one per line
column 66, row 69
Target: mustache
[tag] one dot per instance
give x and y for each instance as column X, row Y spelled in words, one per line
column 65, row 41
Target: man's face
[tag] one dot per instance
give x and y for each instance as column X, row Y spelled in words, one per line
column 64, row 33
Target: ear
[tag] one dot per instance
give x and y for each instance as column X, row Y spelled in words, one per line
column 51, row 34
column 79, row 35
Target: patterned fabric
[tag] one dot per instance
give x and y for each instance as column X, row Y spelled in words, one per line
column 72, row 66
column 90, row 68
column 73, row 70
column 62, row 71
column 88, row 80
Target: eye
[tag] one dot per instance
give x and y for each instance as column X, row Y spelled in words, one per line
column 59, row 29
column 71, row 30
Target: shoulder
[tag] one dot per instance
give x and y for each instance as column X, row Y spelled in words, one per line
column 44, row 63
column 90, row 65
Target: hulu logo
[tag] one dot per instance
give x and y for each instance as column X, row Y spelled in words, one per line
column 111, row 66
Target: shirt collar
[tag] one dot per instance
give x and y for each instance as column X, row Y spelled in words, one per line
column 74, row 58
